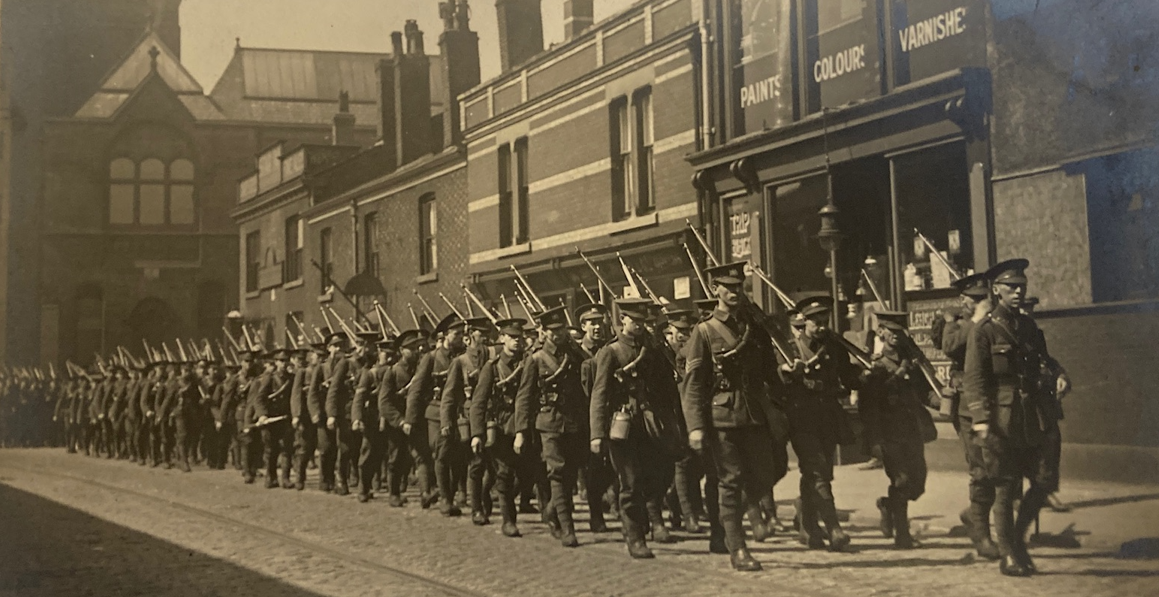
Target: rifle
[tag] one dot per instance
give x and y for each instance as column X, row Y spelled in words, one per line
column 873, row 289
column 326, row 318
column 566, row 312
column 486, row 311
column 506, row 307
column 383, row 316
column 648, row 289
column 703, row 244
column 923, row 363
column 628, row 275
column 530, row 292
column 454, row 309
column 934, row 251
column 345, row 328
column 596, row 271
column 427, row 308
column 591, row 299
column 696, row 268
column 293, row 341
column 413, row 316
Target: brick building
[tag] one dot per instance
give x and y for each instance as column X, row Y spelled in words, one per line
column 583, row 146
column 315, row 217
column 135, row 239
column 996, row 129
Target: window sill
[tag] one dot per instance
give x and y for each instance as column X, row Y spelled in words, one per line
column 253, row 294
column 513, row 250
column 325, row 298
column 293, row 284
column 427, row 278
column 634, row 223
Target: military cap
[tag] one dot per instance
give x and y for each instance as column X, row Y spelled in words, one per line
column 511, row 327
column 894, row 320
column 1030, row 301
column 655, row 312
column 681, row 319
column 483, row 324
column 636, row 308
column 729, row 273
column 1011, row 271
column 386, row 341
column 975, row 285
column 409, row 339
column 336, row 338
column 319, row 347
column 706, row 305
column 813, row 303
column 554, row 318
column 370, row 336
column 795, row 318
column 278, row 354
column 447, row 323
column 590, row 311
column 531, row 330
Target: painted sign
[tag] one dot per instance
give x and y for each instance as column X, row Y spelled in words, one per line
column 931, row 37
column 762, row 63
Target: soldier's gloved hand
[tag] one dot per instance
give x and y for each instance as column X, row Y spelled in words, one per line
column 517, row 445
column 982, row 430
column 477, row 445
column 597, row 446
column 445, row 431
column 294, row 422
column 406, row 428
column 696, row 440
column 314, row 420
column 382, row 424
column 1062, row 386
column 330, row 422
column 217, row 425
column 262, row 420
column 357, row 426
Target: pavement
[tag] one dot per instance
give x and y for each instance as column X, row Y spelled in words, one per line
column 84, row 526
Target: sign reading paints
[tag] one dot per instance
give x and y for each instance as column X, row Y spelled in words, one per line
column 841, row 63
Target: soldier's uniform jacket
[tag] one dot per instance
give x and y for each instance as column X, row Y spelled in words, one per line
column 116, row 402
column 182, row 398
column 98, row 406
column 426, row 389
column 631, row 374
column 1002, row 382
column 392, row 392
column 955, row 335
column 340, row 394
column 494, row 395
column 589, row 349
column 298, row 395
column 462, row 377
column 317, row 384
column 224, row 398
column 891, row 401
column 132, row 400
column 727, row 374
column 365, row 406
column 273, row 396
column 551, row 391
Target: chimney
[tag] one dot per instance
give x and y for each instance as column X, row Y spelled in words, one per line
column 520, row 31
column 342, row 133
column 412, row 97
column 387, row 131
column 459, row 47
column 577, row 17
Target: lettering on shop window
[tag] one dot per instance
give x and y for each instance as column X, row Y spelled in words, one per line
column 741, row 240
column 933, row 29
column 841, row 63
column 760, row 91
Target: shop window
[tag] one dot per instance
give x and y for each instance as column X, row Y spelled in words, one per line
column 428, row 227
column 1122, row 218
column 798, row 261
column 762, row 45
column 631, row 135
column 326, row 258
column 933, row 198
column 370, row 242
column 293, row 263
column 253, row 256
column 151, row 193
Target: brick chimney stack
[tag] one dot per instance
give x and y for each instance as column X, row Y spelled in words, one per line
column 460, row 49
column 342, row 133
column 577, row 17
column 520, row 31
column 387, row 130
column 412, row 97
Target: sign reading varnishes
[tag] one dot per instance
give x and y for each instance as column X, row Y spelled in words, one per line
column 931, row 37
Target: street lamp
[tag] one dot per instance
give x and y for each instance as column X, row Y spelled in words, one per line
column 830, row 235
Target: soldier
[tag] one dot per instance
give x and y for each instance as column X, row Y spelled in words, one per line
column 364, row 414
column 892, row 408
column 598, row 474
column 492, row 418
column 726, row 405
column 304, row 361
column 272, row 409
column 462, row 375
column 183, row 403
column 633, row 407
column 689, row 469
column 1011, row 411
column 223, row 409
column 425, row 396
column 976, row 306
column 339, row 398
column 1054, row 378
column 316, row 398
column 817, row 380
column 551, row 400
column 133, row 413
column 392, row 394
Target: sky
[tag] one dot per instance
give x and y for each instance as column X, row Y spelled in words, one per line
column 209, row 27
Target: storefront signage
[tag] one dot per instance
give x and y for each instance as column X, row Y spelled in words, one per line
column 739, row 235
column 933, row 29
column 761, row 91
column 841, row 63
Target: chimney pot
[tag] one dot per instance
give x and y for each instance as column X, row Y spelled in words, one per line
column 520, row 31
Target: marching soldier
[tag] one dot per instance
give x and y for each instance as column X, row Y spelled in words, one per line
column 133, row 413
column 425, row 396
column 339, row 398
column 305, row 362
column 316, row 399
column 392, row 395
column 892, row 407
column 727, row 376
column 462, row 376
column 184, row 401
column 551, row 400
column 1011, row 411
column 224, row 409
column 633, row 408
column 976, row 306
column 364, row 414
column 598, row 474
column 690, row 468
column 272, row 409
column 492, row 418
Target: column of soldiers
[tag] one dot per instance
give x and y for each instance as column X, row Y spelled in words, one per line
column 695, row 409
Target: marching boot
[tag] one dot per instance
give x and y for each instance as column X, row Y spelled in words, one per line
column 1028, row 511
column 976, row 519
column 742, row 560
column 448, row 508
column 660, row 532
column 634, row 537
column 691, row 524
column 757, row 520
column 809, row 532
column 507, row 510
column 479, row 518
column 900, row 510
column 567, row 535
column 716, row 542
column 343, row 488
column 886, row 523
column 838, row 538
column 1010, row 564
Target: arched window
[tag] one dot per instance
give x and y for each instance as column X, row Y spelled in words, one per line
column 151, row 193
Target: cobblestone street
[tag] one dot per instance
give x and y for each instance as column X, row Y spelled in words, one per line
column 84, row 526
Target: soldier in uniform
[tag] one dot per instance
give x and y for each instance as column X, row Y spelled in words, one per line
column 222, row 407
column 816, row 381
column 304, row 361
column 976, row 306
column 462, row 376
column 492, row 417
column 689, row 469
column 133, row 413
column 551, row 400
column 364, row 415
column 316, row 399
column 392, row 394
column 1011, row 411
column 425, row 396
column 726, row 396
column 893, row 411
column 339, row 400
column 598, row 474
column 633, row 407
column 272, row 410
